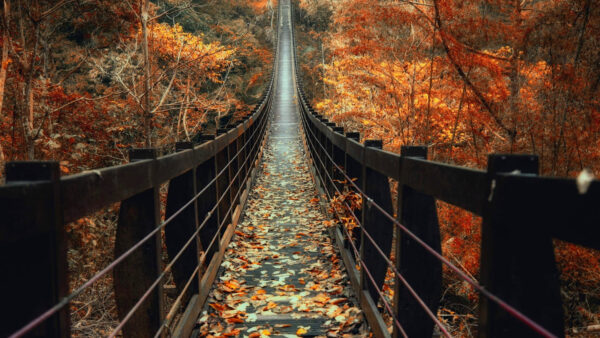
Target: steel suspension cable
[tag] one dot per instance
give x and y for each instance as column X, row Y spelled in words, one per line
column 65, row 300
column 170, row 315
column 438, row 323
column 185, row 246
column 505, row 306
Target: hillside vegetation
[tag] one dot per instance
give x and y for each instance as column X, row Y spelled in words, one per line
column 467, row 78
column 82, row 81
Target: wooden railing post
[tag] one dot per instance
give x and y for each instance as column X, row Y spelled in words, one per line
column 182, row 189
column 377, row 188
column 338, row 156
column 138, row 216
column 243, row 165
column 517, row 256
column 33, row 254
column 222, row 159
column 354, row 170
column 328, row 163
column 205, row 173
column 233, row 170
column 422, row 271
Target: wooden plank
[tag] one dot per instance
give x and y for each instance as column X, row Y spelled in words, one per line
column 34, row 262
column 205, row 173
column 348, row 258
column 564, row 212
column 184, row 327
column 355, row 150
column 18, row 204
column 460, row 186
column 87, row 192
column 384, row 162
column 338, row 139
column 90, row 191
column 188, row 318
column 222, row 158
column 373, row 316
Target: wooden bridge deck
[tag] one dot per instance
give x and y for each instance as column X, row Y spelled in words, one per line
column 281, row 274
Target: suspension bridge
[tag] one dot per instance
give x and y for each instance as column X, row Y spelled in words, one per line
column 253, row 249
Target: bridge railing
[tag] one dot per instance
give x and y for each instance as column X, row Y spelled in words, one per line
column 522, row 214
column 208, row 184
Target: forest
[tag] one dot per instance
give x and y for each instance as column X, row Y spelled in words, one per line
column 83, row 81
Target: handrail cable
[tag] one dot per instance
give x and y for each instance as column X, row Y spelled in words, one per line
column 508, row 308
column 170, row 315
column 65, row 300
column 184, row 247
column 441, row 326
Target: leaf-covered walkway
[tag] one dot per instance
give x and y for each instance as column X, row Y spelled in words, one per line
column 281, row 274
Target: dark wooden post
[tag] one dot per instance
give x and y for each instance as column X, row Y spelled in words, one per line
column 354, row 171
column 138, row 216
column 517, row 256
column 222, row 159
column 243, row 164
column 328, row 162
column 205, row 173
column 338, row 158
column 322, row 162
column 33, row 254
column 233, row 170
column 379, row 227
column 422, row 271
column 182, row 189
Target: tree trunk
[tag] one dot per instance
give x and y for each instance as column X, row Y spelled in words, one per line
column 28, row 97
column 146, row 101
column 4, row 65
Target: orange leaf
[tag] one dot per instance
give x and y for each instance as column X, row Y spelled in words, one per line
column 235, row 320
column 218, row 307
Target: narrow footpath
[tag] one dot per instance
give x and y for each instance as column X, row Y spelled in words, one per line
column 281, row 275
